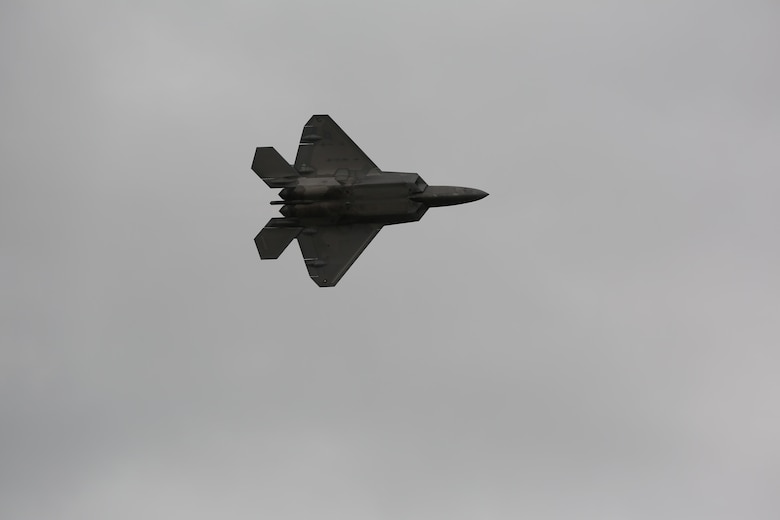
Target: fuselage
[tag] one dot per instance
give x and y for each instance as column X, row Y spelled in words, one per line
column 386, row 197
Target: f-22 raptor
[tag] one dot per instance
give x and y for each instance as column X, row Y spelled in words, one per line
column 335, row 200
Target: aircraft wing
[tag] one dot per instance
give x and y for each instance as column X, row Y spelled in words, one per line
column 329, row 251
column 325, row 149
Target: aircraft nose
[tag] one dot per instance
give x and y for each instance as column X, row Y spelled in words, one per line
column 448, row 195
column 478, row 194
column 470, row 195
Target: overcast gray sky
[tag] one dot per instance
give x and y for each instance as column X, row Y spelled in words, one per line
column 598, row 339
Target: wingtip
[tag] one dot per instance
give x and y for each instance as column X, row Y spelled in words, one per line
column 318, row 118
column 324, row 282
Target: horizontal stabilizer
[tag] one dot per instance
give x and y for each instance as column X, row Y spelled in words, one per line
column 272, row 168
column 272, row 241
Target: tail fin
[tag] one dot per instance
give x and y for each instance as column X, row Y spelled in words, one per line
column 272, row 168
column 273, row 240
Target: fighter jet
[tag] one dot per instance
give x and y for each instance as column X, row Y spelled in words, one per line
column 335, row 200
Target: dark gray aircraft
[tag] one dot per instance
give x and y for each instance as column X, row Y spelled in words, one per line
column 335, row 200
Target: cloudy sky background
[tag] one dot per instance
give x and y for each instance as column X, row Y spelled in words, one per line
column 597, row 339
